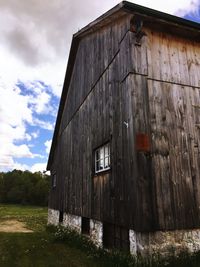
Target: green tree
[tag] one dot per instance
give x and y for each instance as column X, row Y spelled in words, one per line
column 20, row 187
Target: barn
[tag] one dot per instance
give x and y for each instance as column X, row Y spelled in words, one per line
column 125, row 155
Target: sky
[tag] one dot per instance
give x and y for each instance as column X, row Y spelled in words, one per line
column 35, row 38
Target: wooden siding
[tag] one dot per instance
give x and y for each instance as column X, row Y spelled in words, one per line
column 173, row 88
column 57, row 192
column 175, row 115
column 97, row 49
column 118, row 90
column 173, row 59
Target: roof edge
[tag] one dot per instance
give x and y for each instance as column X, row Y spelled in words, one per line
column 70, row 64
column 99, row 19
column 129, row 7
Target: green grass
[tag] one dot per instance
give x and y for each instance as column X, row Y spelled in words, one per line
column 38, row 249
column 34, row 217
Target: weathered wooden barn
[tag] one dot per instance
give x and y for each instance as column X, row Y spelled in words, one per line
column 125, row 156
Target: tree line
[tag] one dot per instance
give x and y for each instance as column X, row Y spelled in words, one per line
column 24, row 187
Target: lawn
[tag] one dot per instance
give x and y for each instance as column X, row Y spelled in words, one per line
column 36, row 249
column 35, row 218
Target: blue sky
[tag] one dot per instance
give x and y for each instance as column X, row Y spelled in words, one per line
column 40, row 135
column 34, row 45
column 194, row 16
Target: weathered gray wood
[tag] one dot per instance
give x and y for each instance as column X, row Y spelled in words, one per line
column 117, row 91
column 173, row 59
column 174, row 145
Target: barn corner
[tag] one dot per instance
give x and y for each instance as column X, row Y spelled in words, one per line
column 125, row 159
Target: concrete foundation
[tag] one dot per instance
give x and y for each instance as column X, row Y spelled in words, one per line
column 133, row 242
column 53, row 217
column 72, row 221
column 96, row 232
column 164, row 243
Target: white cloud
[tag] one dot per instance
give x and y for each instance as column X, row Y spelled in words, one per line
column 188, row 7
column 43, row 124
column 15, row 115
column 38, row 167
column 48, row 145
column 39, row 98
column 13, row 106
column 10, row 164
column 10, row 153
column 19, row 151
column 170, row 6
column 18, row 166
column 10, row 150
column 13, row 70
column 28, row 137
column 35, row 134
column 42, row 55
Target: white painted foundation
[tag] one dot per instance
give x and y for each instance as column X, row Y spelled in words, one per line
column 72, row 221
column 133, row 242
column 53, row 217
column 96, row 232
column 164, row 243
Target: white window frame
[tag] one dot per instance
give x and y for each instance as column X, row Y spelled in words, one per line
column 103, row 158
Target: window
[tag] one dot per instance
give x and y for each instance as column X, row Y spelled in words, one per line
column 102, row 158
column 85, row 226
column 54, row 180
column 61, row 217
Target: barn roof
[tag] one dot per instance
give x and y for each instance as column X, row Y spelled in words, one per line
column 151, row 16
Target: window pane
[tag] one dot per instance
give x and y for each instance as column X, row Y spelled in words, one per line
column 101, row 164
column 97, row 165
column 97, row 154
column 106, row 150
column 106, row 162
column 102, row 158
column 101, row 153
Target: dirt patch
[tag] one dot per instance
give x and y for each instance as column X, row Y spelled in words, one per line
column 14, row 226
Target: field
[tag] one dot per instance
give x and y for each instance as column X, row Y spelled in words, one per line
column 26, row 242
column 36, row 248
